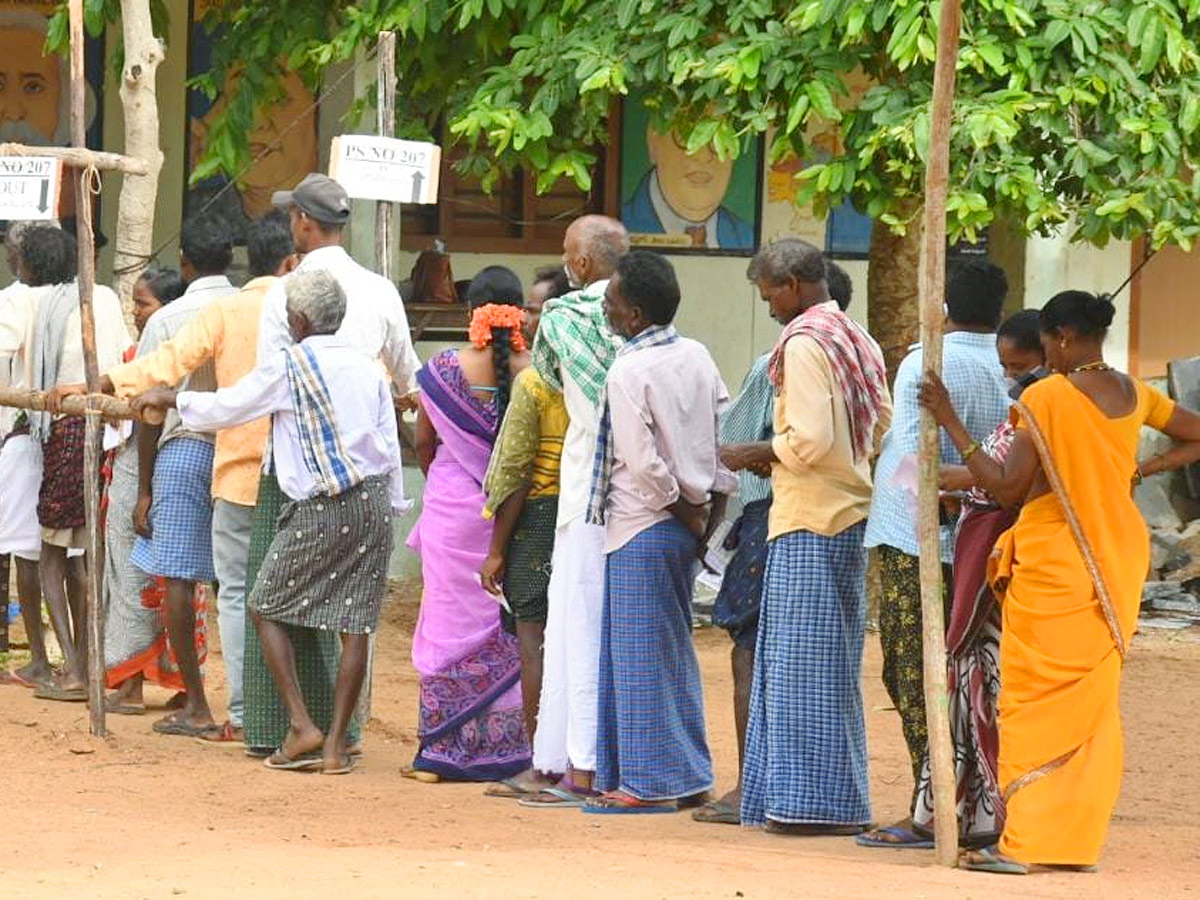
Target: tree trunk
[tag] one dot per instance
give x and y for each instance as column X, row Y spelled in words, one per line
column 893, row 314
column 139, row 100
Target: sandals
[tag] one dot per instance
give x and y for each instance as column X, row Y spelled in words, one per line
column 226, row 735
column 180, row 727
column 305, row 762
column 619, row 803
column 990, row 860
column 554, row 798
column 350, row 765
column 895, row 837
column 812, row 829
column 51, row 691
column 511, row 789
column 718, row 812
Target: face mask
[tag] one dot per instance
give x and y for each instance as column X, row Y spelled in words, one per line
column 1016, row 386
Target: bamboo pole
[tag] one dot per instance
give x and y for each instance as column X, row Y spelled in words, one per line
column 933, row 288
column 80, row 157
column 79, row 404
column 87, row 321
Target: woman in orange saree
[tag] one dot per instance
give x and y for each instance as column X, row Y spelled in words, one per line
column 1069, row 574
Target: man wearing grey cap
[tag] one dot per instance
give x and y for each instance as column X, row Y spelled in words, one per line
column 318, row 209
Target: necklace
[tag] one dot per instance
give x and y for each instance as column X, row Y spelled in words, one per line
column 1098, row 365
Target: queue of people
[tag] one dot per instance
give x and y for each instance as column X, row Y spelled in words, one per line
column 581, row 458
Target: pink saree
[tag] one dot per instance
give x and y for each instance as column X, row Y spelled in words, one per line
column 471, row 718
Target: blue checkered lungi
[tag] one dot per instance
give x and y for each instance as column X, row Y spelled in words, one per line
column 650, row 740
column 806, row 746
column 180, row 545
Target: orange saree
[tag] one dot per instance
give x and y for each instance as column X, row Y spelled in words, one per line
column 1070, row 575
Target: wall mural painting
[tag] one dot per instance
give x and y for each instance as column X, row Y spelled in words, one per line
column 283, row 142
column 675, row 201
column 35, row 88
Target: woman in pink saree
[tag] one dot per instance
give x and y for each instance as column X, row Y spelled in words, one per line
column 471, row 718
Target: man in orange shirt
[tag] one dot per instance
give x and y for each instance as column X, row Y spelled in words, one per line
column 226, row 333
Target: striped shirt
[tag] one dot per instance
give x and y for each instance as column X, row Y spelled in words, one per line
column 750, row 419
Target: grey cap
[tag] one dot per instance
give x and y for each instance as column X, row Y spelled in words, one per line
column 319, row 196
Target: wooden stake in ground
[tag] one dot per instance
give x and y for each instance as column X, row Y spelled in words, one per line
column 933, row 290
column 385, row 216
column 87, row 321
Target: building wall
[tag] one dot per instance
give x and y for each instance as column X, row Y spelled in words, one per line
column 1055, row 264
column 1165, row 317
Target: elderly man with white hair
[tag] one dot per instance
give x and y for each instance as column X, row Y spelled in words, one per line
column 335, row 450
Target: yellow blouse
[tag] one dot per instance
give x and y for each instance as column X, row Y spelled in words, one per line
column 529, row 447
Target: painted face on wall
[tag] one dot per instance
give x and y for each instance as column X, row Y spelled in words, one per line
column 31, row 88
column 694, row 185
column 283, row 142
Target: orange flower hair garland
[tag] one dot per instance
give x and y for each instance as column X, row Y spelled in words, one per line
column 491, row 316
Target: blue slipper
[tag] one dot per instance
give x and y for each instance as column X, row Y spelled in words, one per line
column 618, row 803
column 897, row 837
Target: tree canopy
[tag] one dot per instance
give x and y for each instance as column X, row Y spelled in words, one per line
column 1068, row 110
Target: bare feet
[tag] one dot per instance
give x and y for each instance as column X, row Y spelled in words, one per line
column 298, row 743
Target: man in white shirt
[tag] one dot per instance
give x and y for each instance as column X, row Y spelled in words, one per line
column 335, row 447
column 573, row 351
column 375, row 325
column 657, row 471
column 40, row 349
column 173, row 515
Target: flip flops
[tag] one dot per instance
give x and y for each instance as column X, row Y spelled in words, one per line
column 179, row 728
column 510, row 789
column 61, row 694
column 554, row 798
column 350, row 766
column 812, row 829
column 618, row 803
column 989, row 860
column 896, row 837
column 305, row 762
column 223, row 735
column 718, row 812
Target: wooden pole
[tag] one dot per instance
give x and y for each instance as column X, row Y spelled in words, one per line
column 385, row 216
column 385, row 212
column 87, row 321
column 78, row 405
column 933, row 289
column 81, row 157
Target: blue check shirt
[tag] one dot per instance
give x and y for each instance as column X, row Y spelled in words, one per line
column 748, row 420
column 972, row 374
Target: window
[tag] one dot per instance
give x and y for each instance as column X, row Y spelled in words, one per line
column 514, row 218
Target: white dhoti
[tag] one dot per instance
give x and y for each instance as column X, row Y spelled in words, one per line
column 566, row 728
column 20, row 481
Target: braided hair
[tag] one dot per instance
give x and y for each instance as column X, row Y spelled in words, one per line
column 498, row 285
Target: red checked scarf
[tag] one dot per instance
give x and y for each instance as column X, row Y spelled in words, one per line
column 857, row 364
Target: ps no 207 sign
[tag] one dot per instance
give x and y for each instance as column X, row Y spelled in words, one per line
column 379, row 168
column 29, row 187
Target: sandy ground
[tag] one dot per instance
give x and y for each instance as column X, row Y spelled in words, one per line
column 143, row 816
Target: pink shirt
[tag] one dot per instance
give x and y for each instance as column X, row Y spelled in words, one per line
column 664, row 401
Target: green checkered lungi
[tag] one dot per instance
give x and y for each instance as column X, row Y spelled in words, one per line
column 317, row 653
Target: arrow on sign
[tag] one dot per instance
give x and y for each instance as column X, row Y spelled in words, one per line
column 417, row 179
column 42, row 205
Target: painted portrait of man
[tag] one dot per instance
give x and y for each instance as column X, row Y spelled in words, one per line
column 283, row 141
column 675, row 200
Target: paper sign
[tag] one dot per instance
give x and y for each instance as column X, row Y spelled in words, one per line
column 379, row 168
column 29, row 187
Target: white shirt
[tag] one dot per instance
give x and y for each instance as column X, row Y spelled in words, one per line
column 579, row 452
column 366, row 417
column 18, row 322
column 375, row 321
column 165, row 324
column 665, row 437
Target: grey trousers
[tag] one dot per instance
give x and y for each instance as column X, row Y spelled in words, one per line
column 231, row 559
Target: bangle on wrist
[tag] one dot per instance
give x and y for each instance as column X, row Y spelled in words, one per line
column 969, row 450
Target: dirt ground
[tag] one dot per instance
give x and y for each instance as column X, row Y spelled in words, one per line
column 143, row 816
